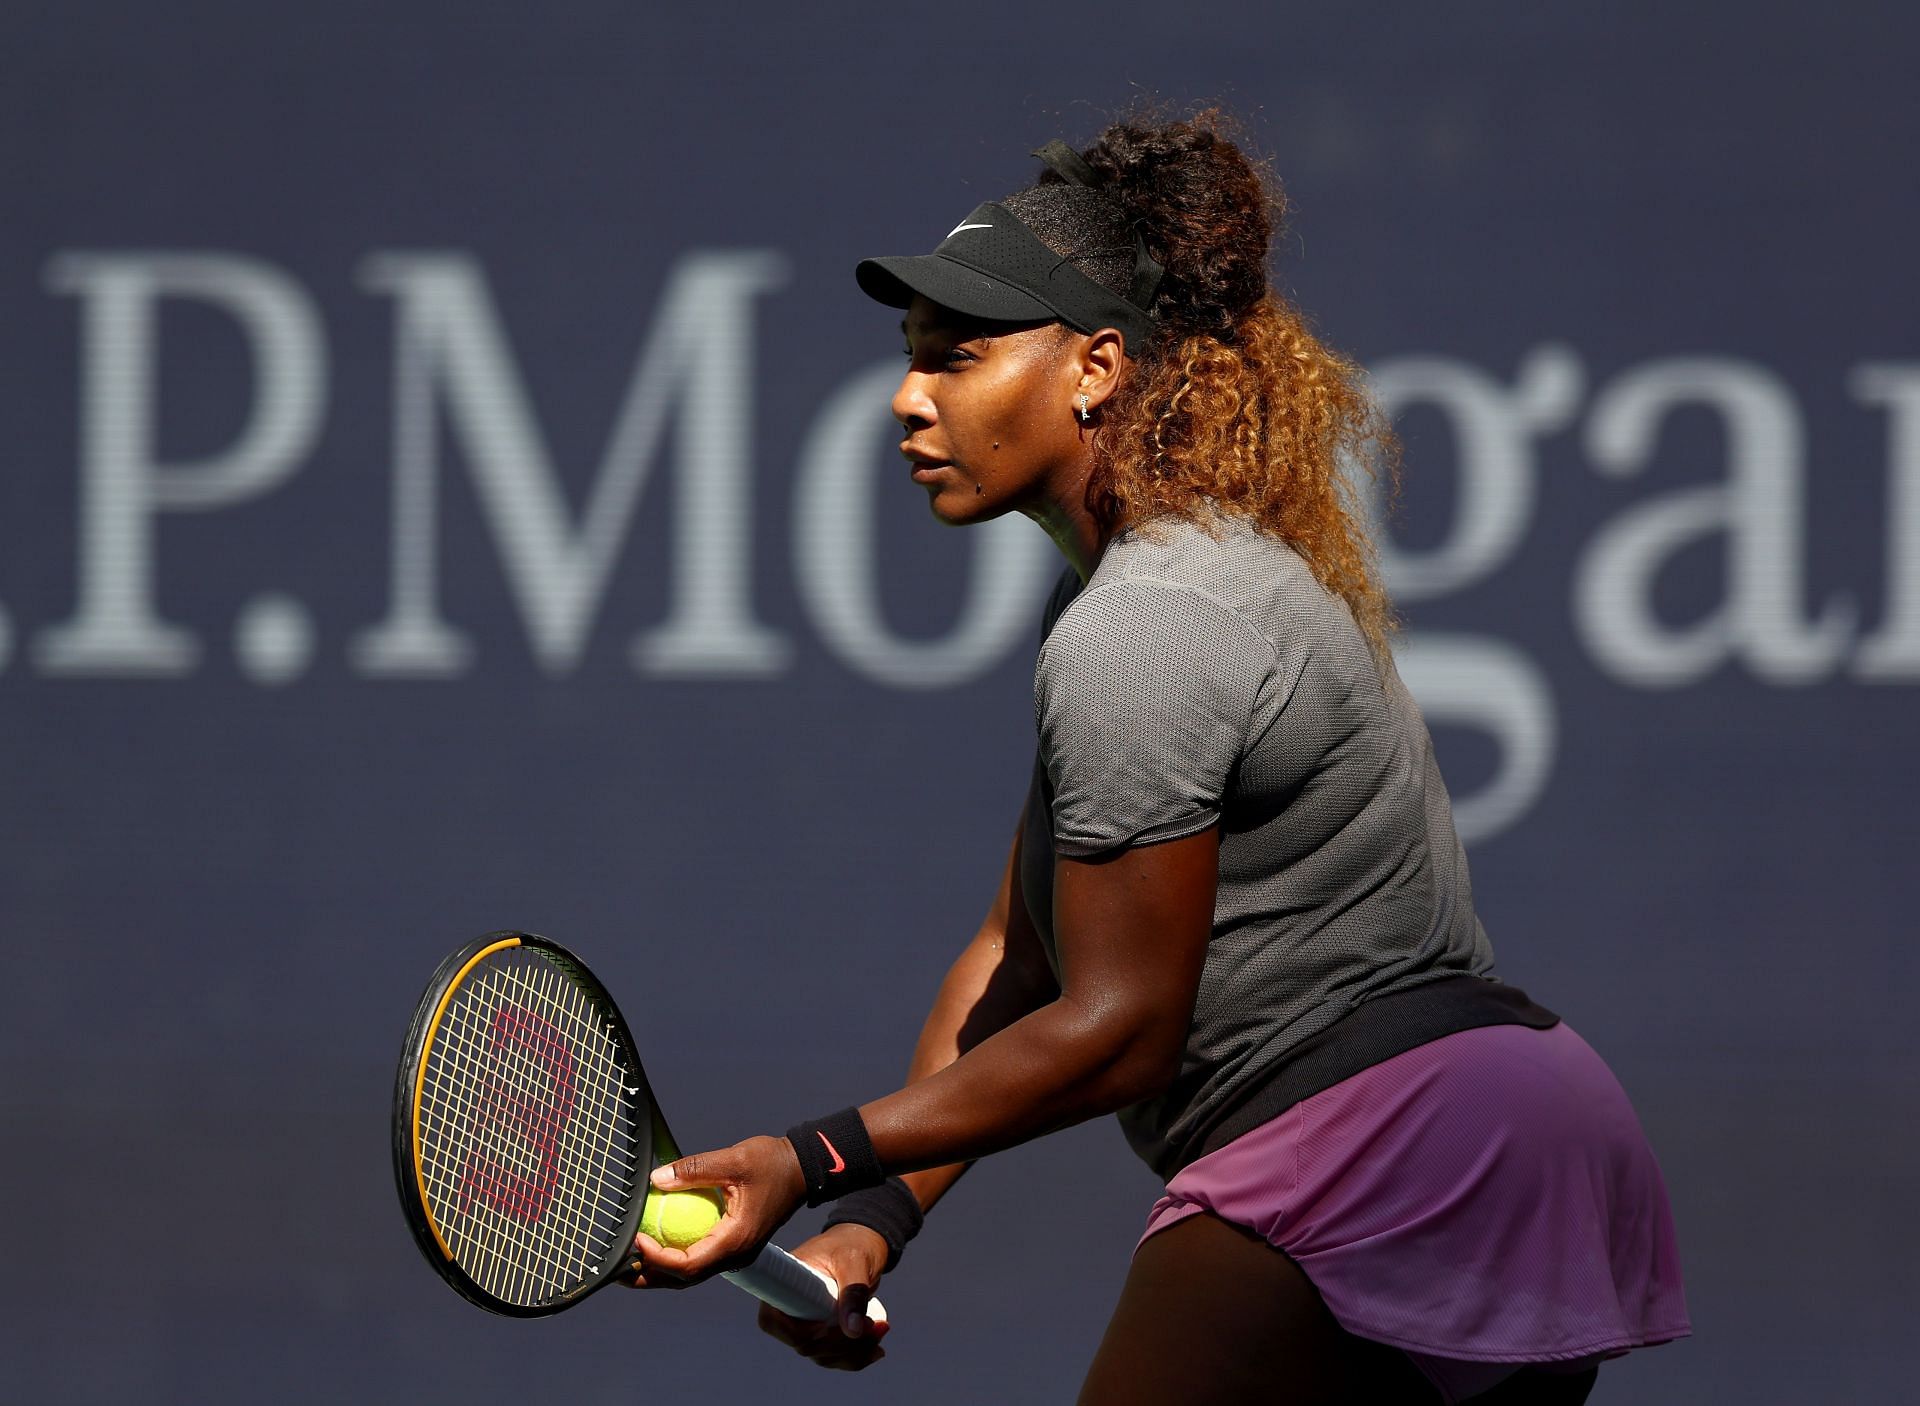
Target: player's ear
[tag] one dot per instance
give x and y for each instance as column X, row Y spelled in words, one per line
column 1096, row 362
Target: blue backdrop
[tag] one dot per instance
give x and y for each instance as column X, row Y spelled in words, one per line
column 446, row 485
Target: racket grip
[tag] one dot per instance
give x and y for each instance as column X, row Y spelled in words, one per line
column 794, row 1287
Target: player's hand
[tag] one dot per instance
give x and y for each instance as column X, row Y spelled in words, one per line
column 853, row 1257
column 763, row 1185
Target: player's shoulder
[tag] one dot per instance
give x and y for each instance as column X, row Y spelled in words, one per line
column 1225, row 565
column 1171, row 587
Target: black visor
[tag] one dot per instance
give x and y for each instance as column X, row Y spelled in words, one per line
column 992, row 266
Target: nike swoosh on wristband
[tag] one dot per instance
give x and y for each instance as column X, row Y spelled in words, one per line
column 839, row 1162
column 964, row 225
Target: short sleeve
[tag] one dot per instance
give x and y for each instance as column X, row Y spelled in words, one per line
column 1144, row 695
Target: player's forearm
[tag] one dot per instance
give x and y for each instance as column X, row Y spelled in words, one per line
column 1055, row 1066
column 1132, row 929
column 985, row 991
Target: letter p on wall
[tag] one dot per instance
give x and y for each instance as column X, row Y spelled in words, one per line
column 123, row 485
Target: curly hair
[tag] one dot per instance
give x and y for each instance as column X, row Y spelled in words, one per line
column 1236, row 406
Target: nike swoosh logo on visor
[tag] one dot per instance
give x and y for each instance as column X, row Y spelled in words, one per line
column 839, row 1162
column 964, row 225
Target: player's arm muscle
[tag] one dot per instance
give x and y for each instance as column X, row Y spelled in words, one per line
column 1131, row 930
column 1000, row 976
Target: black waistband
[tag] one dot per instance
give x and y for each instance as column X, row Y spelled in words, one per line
column 1375, row 1031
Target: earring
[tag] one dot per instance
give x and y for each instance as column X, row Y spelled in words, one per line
column 1085, row 414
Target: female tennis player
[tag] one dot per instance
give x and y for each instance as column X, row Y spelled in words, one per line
column 1235, row 912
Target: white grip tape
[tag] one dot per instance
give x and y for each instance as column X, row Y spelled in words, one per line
column 796, row 1288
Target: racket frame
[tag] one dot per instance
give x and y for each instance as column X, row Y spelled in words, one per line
column 775, row 1277
column 646, row 1129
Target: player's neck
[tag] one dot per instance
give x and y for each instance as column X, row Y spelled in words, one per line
column 1063, row 514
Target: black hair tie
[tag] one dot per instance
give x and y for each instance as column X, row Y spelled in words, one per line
column 1072, row 167
column 1069, row 164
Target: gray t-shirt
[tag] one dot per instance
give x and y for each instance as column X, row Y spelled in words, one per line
column 1196, row 681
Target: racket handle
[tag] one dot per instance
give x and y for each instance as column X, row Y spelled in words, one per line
column 794, row 1287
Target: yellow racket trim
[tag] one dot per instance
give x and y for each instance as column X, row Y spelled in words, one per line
column 420, row 1080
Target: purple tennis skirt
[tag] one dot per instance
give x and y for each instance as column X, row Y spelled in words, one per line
column 1483, row 1201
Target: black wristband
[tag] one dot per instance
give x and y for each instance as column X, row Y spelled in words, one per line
column 836, row 1156
column 890, row 1210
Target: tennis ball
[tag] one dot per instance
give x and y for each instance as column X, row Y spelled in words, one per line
column 678, row 1218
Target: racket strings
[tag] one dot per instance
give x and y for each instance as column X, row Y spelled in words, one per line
column 527, row 1141
column 541, row 1124
column 488, row 1234
column 524, row 1251
column 586, row 1163
column 521, row 1249
column 505, row 1188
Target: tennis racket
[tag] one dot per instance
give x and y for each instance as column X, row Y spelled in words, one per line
column 524, row 1133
